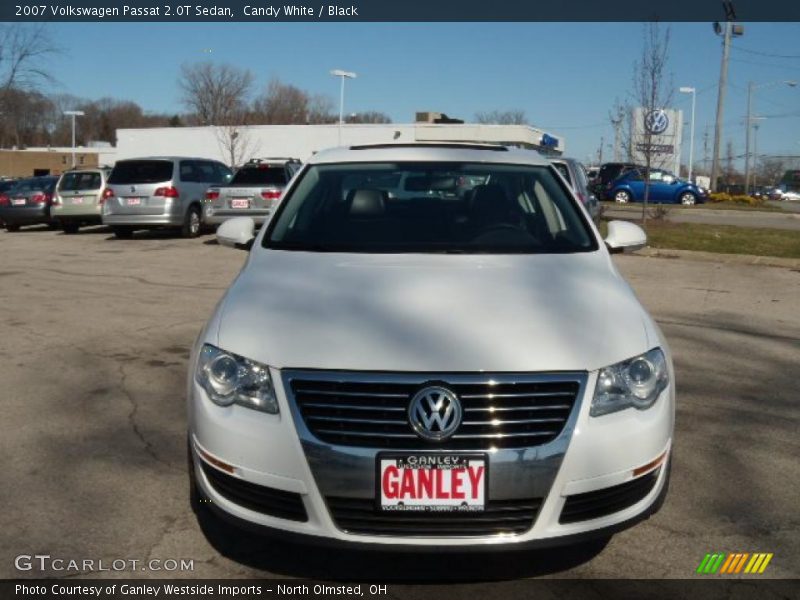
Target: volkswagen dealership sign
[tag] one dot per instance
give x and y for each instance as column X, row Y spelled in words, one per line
column 659, row 130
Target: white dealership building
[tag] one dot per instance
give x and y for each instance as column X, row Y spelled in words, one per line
column 301, row 141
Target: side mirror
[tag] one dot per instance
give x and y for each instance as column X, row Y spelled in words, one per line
column 624, row 236
column 238, row 232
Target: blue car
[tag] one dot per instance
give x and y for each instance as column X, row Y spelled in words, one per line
column 665, row 188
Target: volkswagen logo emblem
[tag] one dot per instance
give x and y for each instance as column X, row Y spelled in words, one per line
column 133, row 188
column 656, row 121
column 435, row 413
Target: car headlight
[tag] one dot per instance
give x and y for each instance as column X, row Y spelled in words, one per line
column 231, row 379
column 635, row 382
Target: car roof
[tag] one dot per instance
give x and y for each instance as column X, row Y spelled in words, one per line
column 433, row 152
column 170, row 158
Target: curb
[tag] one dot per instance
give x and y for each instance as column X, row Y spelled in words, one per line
column 730, row 259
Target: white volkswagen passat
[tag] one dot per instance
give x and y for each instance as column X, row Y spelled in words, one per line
column 430, row 345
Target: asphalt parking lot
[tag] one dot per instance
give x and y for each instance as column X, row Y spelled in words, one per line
column 94, row 341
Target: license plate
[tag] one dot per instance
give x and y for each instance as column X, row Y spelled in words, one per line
column 240, row 203
column 133, row 201
column 431, row 482
column 18, row 201
column 77, row 200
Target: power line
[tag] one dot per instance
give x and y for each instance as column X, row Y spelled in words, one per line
column 760, row 64
column 769, row 54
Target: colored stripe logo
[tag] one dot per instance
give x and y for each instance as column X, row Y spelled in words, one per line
column 734, row 563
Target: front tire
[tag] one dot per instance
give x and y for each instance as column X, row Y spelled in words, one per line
column 622, row 197
column 191, row 223
column 688, row 199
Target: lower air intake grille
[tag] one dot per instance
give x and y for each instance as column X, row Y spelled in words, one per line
column 269, row 501
column 600, row 503
column 356, row 515
column 503, row 411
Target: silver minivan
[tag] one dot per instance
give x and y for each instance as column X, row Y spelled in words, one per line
column 145, row 193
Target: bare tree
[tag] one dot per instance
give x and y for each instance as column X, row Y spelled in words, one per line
column 282, row 104
column 505, row 117
column 236, row 143
column 770, row 170
column 321, row 110
column 216, row 94
column 24, row 49
column 653, row 90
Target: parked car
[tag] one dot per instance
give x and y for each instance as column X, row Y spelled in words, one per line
column 790, row 196
column 609, row 172
column 398, row 367
column 5, row 185
column 144, row 193
column 253, row 191
column 28, row 202
column 575, row 174
column 665, row 188
column 77, row 198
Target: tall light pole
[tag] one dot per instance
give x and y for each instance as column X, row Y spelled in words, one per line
column 342, row 75
column 692, row 91
column 751, row 87
column 73, row 114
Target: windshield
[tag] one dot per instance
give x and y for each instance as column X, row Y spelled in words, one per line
column 429, row 207
column 260, row 176
column 141, row 171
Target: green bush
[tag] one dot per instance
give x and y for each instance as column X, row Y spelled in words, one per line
column 722, row 197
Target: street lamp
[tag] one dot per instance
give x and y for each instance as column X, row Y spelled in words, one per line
column 343, row 75
column 692, row 91
column 73, row 114
column 749, row 123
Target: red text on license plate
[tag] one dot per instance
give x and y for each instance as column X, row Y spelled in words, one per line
column 432, row 483
column 134, row 201
column 240, row 203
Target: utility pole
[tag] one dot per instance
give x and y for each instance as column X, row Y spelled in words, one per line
column 755, row 158
column 617, row 123
column 705, row 151
column 600, row 151
column 748, row 125
column 730, row 29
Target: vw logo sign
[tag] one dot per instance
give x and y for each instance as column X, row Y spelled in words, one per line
column 656, row 121
column 435, row 413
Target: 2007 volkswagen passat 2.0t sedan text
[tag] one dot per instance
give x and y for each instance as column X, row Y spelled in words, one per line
column 429, row 345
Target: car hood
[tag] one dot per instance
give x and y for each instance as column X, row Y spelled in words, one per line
column 431, row 312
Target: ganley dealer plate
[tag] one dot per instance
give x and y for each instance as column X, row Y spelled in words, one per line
column 432, row 482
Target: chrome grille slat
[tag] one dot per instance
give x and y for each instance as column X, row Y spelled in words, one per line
column 369, row 409
column 500, row 423
column 349, row 420
column 353, row 394
column 501, row 436
column 366, row 433
column 352, row 407
column 519, row 395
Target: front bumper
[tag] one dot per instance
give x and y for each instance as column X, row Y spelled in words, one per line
column 275, row 451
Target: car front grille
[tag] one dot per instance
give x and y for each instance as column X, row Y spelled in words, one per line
column 607, row 501
column 266, row 500
column 360, row 516
column 502, row 411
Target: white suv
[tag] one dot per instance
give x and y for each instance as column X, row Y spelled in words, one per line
column 428, row 346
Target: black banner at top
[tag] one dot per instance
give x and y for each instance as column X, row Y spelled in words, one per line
column 394, row 10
